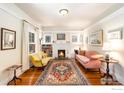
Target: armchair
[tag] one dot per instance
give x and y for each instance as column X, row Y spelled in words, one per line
column 39, row 59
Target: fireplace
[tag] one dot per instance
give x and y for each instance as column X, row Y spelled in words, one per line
column 61, row 54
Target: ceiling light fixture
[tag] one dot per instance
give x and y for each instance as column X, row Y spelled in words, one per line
column 63, row 11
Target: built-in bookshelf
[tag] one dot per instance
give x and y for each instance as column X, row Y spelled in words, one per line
column 48, row 49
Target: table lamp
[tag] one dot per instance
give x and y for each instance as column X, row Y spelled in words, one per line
column 107, row 48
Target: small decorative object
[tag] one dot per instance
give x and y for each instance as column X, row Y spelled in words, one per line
column 8, row 39
column 61, row 36
column 96, row 38
column 115, row 34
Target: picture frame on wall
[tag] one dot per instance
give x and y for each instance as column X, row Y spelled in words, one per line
column 74, row 38
column 61, row 36
column 8, row 39
column 96, row 38
column 48, row 39
column 116, row 34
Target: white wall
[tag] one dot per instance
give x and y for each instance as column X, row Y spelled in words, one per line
column 111, row 22
column 11, row 18
column 10, row 57
column 64, row 44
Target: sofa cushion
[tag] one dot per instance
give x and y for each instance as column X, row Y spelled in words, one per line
column 82, row 58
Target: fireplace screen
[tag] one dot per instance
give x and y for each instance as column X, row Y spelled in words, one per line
column 61, row 53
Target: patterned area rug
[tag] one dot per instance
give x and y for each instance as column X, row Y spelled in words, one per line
column 62, row 72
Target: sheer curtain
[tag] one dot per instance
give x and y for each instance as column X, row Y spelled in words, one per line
column 25, row 38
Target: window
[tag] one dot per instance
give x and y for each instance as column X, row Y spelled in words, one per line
column 31, row 48
column 31, row 37
column 31, row 42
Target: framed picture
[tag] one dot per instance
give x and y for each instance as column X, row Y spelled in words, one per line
column 115, row 34
column 8, row 39
column 74, row 38
column 61, row 36
column 96, row 38
column 48, row 39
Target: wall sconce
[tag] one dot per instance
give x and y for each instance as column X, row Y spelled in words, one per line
column 40, row 39
column 53, row 41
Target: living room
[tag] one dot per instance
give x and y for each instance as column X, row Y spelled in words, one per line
column 60, row 32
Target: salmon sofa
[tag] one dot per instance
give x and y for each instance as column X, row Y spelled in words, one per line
column 89, row 59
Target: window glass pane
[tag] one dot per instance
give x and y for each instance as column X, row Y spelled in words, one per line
column 31, row 37
column 31, row 48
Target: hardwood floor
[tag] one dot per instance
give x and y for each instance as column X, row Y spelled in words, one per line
column 30, row 76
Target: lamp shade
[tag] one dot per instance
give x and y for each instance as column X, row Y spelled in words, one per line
column 107, row 46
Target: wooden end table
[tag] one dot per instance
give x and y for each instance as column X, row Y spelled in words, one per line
column 107, row 75
column 14, row 68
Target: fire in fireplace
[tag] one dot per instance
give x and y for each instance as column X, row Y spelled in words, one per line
column 61, row 53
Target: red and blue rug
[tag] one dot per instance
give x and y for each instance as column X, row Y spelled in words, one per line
column 62, row 72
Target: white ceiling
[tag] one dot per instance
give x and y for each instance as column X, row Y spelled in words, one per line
column 80, row 15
